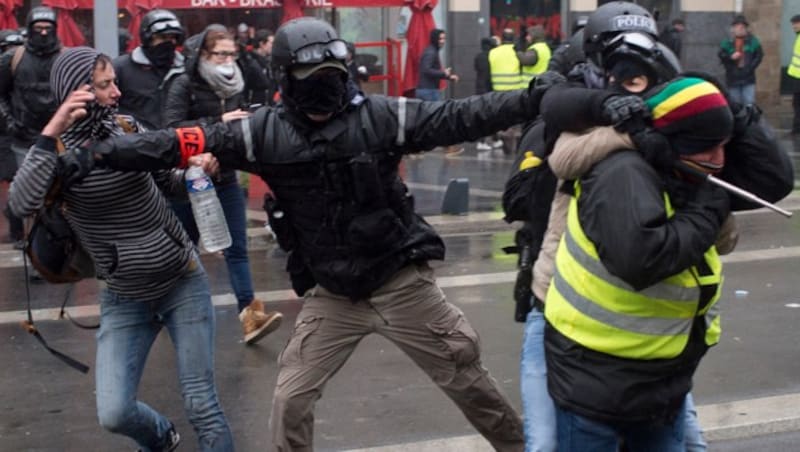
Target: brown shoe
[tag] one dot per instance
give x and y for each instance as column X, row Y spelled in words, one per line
column 257, row 323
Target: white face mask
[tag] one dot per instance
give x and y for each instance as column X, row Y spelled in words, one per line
column 225, row 69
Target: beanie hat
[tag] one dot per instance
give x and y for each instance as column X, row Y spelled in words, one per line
column 692, row 113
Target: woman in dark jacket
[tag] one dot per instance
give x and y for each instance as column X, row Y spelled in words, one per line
column 213, row 90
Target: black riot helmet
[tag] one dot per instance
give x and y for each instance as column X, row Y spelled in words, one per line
column 160, row 21
column 611, row 19
column 302, row 46
column 40, row 14
column 10, row 38
column 634, row 53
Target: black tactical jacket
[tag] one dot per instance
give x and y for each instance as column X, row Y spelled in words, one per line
column 341, row 209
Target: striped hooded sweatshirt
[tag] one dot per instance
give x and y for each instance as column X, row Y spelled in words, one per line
column 121, row 218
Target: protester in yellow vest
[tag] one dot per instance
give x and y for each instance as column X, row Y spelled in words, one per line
column 504, row 65
column 536, row 57
column 631, row 308
column 794, row 74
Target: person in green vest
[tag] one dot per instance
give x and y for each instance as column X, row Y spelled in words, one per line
column 536, row 57
column 794, row 74
column 506, row 75
column 504, row 65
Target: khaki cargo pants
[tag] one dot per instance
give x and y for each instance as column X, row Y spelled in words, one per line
column 410, row 310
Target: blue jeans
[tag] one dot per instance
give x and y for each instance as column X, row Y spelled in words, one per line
column 428, row 94
column 128, row 329
column 743, row 94
column 539, row 412
column 577, row 433
column 236, row 259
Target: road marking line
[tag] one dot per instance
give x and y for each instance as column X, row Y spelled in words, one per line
column 720, row 421
column 444, row 282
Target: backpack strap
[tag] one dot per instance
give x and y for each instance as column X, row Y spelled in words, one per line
column 18, row 53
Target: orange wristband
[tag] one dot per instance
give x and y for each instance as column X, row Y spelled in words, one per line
column 191, row 141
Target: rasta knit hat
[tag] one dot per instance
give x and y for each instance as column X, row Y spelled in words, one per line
column 692, row 113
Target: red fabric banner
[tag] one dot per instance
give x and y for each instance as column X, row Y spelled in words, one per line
column 418, row 37
column 194, row 4
column 292, row 9
column 7, row 19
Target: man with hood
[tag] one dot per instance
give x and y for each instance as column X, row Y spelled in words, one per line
column 153, row 276
column 144, row 75
column 358, row 252
column 431, row 70
column 26, row 102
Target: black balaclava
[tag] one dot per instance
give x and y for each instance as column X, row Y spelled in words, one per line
column 320, row 94
column 626, row 69
column 161, row 55
column 42, row 44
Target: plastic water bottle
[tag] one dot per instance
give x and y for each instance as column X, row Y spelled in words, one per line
column 207, row 210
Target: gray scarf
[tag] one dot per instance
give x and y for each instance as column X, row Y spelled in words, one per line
column 224, row 87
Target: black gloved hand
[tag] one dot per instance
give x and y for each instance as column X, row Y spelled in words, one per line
column 75, row 164
column 743, row 117
column 654, row 147
column 539, row 85
column 714, row 199
column 523, row 294
column 626, row 113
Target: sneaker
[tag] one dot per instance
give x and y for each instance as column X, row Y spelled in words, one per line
column 497, row 144
column 19, row 244
column 453, row 151
column 257, row 323
column 481, row 146
column 171, row 443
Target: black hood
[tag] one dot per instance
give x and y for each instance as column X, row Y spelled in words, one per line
column 435, row 33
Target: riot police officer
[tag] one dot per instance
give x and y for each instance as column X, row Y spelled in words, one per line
column 144, row 75
column 358, row 252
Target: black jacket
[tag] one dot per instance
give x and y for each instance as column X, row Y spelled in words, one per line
column 26, row 100
column 145, row 86
column 347, row 217
column 753, row 54
column 192, row 101
column 430, row 65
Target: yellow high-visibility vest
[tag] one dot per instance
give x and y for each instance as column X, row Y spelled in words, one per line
column 794, row 66
column 504, row 67
column 542, row 59
column 603, row 313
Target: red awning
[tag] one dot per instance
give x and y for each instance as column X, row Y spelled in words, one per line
column 227, row 4
column 68, row 31
column 7, row 19
column 418, row 37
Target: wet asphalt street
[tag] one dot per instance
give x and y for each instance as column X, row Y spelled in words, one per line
column 748, row 387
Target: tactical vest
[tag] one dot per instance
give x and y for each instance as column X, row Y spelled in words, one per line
column 504, row 67
column 601, row 312
column 542, row 60
column 33, row 102
column 343, row 207
column 794, row 65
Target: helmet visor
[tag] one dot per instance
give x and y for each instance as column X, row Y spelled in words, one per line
column 319, row 52
column 166, row 26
